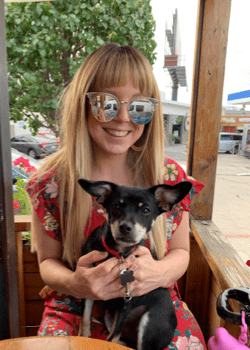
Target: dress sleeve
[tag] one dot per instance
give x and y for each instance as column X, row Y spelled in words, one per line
column 43, row 193
column 173, row 174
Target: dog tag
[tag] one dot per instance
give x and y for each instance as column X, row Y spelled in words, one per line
column 126, row 277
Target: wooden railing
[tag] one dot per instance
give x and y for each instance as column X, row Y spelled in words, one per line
column 214, row 266
column 31, row 305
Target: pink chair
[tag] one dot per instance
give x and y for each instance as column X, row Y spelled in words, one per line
column 222, row 340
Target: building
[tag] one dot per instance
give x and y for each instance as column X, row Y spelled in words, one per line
column 176, row 119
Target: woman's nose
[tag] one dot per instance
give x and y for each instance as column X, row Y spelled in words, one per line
column 122, row 115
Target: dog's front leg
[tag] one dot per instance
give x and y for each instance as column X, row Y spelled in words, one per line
column 84, row 329
column 120, row 319
column 114, row 334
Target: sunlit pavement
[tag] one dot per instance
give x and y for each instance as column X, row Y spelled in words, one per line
column 231, row 213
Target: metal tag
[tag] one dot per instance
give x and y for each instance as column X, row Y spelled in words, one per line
column 126, row 277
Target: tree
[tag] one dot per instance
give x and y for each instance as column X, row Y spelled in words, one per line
column 47, row 42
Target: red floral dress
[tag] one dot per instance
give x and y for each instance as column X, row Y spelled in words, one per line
column 62, row 312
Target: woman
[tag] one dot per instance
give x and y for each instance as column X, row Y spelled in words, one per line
column 111, row 129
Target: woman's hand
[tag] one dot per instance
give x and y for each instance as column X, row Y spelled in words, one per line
column 99, row 282
column 148, row 272
column 151, row 274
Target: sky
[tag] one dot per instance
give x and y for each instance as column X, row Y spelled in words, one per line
column 237, row 72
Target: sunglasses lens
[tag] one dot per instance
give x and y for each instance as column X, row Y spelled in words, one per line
column 141, row 111
column 104, row 107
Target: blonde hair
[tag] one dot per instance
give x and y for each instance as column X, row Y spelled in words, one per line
column 106, row 67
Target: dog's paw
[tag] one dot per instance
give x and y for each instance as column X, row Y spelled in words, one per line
column 120, row 342
column 84, row 330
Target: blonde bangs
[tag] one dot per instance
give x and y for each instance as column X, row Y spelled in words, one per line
column 123, row 64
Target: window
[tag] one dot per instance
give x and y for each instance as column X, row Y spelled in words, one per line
column 226, row 137
column 15, row 139
column 139, row 108
column 26, row 139
column 237, row 137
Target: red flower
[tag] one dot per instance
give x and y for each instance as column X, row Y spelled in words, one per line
column 30, row 169
column 24, row 163
column 248, row 263
column 16, row 205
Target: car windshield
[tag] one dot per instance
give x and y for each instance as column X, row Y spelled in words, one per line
column 51, row 137
column 40, row 139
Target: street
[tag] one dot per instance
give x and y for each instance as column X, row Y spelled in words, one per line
column 231, row 212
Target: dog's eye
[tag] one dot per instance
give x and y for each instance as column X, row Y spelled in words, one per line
column 145, row 211
column 116, row 206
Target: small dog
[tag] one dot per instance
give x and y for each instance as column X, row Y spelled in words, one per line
column 131, row 213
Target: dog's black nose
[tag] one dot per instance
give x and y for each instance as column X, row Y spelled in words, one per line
column 125, row 228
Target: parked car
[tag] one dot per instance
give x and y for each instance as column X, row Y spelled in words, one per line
column 34, row 146
column 50, row 136
column 229, row 142
column 247, row 151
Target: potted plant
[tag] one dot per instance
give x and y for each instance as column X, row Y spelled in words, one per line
column 21, row 198
column 173, row 138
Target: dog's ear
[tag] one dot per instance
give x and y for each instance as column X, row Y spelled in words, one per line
column 99, row 189
column 167, row 196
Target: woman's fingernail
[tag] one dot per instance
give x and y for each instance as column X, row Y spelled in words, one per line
column 133, row 268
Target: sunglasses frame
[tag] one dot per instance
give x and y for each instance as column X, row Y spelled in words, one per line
column 154, row 101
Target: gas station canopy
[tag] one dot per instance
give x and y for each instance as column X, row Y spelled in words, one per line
column 239, row 98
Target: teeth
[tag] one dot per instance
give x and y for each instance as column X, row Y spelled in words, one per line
column 117, row 133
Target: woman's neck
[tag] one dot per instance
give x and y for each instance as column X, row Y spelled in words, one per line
column 112, row 168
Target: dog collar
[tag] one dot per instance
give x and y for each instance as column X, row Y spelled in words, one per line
column 112, row 251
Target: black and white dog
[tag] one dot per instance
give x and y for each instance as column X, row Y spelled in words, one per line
column 131, row 213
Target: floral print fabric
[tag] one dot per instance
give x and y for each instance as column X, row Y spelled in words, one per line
column 62, row 313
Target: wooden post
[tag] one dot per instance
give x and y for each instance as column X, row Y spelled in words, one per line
column 205, row 116
column 208, row 80
column 8, row 273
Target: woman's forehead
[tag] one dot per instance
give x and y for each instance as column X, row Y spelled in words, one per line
column 114, row 80
column 129, row 84
column 110, row 85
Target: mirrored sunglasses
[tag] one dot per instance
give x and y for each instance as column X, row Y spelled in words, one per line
column 105, row 107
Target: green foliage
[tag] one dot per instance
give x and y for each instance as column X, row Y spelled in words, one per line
column 172, row 137
column 46, row 44
column 22, row 197
column 23, row 202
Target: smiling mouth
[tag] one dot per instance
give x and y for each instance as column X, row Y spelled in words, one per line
column 117, row 133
